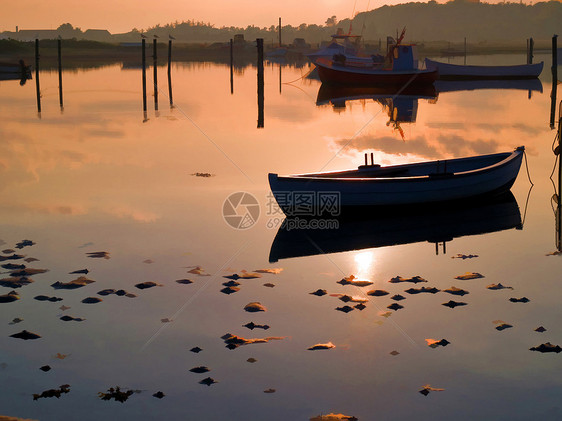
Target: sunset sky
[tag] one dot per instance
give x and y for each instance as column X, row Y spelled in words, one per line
column 123, row 15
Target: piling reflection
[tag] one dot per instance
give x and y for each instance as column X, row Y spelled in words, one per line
column 367, row 228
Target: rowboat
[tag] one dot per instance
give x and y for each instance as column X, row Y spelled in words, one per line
column 437, row 224
column 405, row 184
column 456, row 71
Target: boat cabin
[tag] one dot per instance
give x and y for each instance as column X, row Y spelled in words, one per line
column 404, row 57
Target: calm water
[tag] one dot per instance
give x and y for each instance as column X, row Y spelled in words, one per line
column 96, row 177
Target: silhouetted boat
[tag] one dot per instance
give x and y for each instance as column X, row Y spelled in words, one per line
column 395, row 226
column 14, row 71
column 458, row 71
column 401, row 71
column 406, row 184
column 472, row 85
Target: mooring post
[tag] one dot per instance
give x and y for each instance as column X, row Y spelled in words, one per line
column 554, row 80
column 144, row 75
column 231, row 66
column 59, row 48
column 155, row 65
column 170, row 72
column 259, row 43
column 530, row 46
column 37, row 75
column 280, row 33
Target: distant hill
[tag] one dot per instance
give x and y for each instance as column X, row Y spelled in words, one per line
column 424, row 22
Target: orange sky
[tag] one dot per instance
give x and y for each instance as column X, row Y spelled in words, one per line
column 123, row 15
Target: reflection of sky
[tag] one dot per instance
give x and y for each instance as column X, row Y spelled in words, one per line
column 97, row 174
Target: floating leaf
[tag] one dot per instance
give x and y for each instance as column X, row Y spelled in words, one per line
column 98, row 255
column 148, row 261
column 456, row 291
column 253, row 326
column 105, row 292
column 547, row 347
column 469, row 275
column 414, row 279
column 24, row 243
column 199, row 370
column 273, row 271
column 208, row 381
column 47, row 298
column 377, row 293
column 269, row 285
column 166, row 320
column 25, row 335
column 360, row 306
column 9, row 297
column 453, row 304
column 234, row 341
column 397, row 297
column 434, row 343
column 230, row 290
column 385, row 313
column 159, row 395
column 77, row 283
column 60, row 356
column 198, row 270
column 422, row 289
column 82, row 271
column 394, row 353
column 328, row 345
column 334, row 417
column 427, row 388
column 464, row 256
column 64, row 308
column 254, row 307
column 30, row 259
column 346, row 281
column 519, row 300
column 15, row 282
column 319, row 292
column 203, row 174
column 115, row 393
column 196, row 350
column 67, row 318
column 92, row 300
column 16, row 321
column 45, row 368
column 395, row 306
column 269, row 391
column 540, row 329
column 65, row 388
column 184, row 281
column 503, row 326
column 147, row 284
column 497, row 287
column 345, row 309
column 251, row 360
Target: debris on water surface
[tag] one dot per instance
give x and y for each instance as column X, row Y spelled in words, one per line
column 16, row 321
column 184, row 281
column 166, row 320
column 377, row 292
column 24, row 243
column 385, row 313
column 360, row 306
column 148, row 261
column 427, row 388
column 15, row 282
column 115, row 393
column 203, row 174
column 92, row 300
column 254, row 307
column 352, row 280
column 546, row 347
column 30, row 259
column 76, row 283
column 344, row 309
column 105, row 292
column 519, row 300
column 234, row 341
column 25, row 335
column 208, row 381
column 12, row 266
column 197, row 270
column 67, row 318
column 148, row 284
column 434, row 343
column 453, row 304
column 45, row 368
column 27, row 272
column 98, row 254
column 348, row 298
column 456, row 291
column 64, row 308
column 497, row 286
column 464, row 256
column 540, row 329
column 334, row 417
column 251, row 360
column 503, row 326
column 12, row 257
column 199, row 370
column 230, row 290
column 397, row 297
column 394, row 306
column 231, row 283
column 422, row 289
column 269, row 391
column 319, row 292
column 394, row 353
column 328, row 345
column 159, row 395
column 60, row 356
column 196, row 349
column 47, row 298
column 269, row 285
column 9, row 297
column 65, row 388
column 273, row 271
column 243, row 275
column 253, row 326
column 80, row 271
column 414, row 279
column 469, row 275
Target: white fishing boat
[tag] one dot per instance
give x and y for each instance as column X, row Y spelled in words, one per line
column 405, row 184
column 457, row 71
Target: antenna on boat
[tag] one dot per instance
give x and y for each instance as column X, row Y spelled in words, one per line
column 366, row 162
column 372, row 159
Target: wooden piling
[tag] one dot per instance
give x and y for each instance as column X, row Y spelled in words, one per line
column 170, row 73
column 280, row 44
column 231, row 66
column 38, row 88
column 144, row 75
column 259, row 43
column 155, row 71
column 530, row 47
column 59, row 48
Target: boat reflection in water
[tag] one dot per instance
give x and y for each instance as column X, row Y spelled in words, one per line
column 531, row 85
column 400, row 104
column 371, row 228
